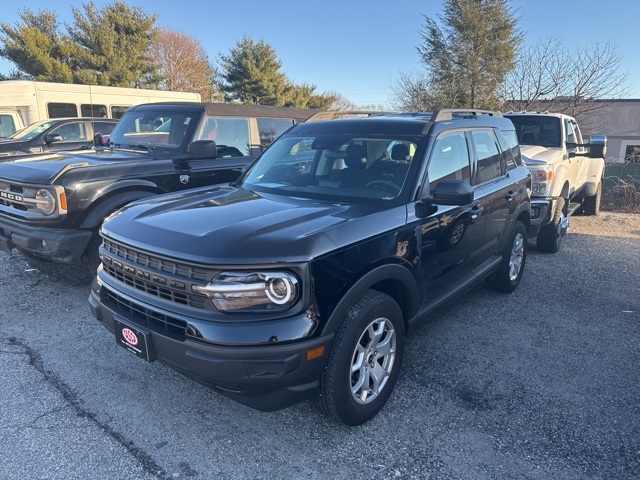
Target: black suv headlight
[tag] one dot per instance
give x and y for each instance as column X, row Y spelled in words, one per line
column 252, row 292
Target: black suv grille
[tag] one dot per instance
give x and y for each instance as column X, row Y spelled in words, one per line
column 155, row 263
column 153, row 275
column 168, row 325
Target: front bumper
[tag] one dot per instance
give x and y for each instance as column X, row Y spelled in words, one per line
column 60, row 245
column 265, row 376
column 542, row 210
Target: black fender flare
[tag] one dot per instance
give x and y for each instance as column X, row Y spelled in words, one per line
column 112, row 202
column 397, row 273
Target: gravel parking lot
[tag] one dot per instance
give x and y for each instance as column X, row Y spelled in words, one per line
column 539, row 384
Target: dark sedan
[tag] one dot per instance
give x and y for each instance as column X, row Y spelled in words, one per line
column 54, row 135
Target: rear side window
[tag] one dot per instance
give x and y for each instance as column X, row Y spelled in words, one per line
column 91, row 110
column 272, row 128
column 513, row 156
column 59, row 110
column 489, row 164
column 7, row 125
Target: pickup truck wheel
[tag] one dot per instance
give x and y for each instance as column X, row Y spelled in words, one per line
column 92, row 259
column 364, row 361
column 550, row 235
column 591, row 205
column 508, row 275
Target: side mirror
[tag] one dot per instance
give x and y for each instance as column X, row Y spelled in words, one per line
column 453, row 192
column 447, row 192
column 52, row 138
column 98, row 141
column 202, row 149
column 597, row 146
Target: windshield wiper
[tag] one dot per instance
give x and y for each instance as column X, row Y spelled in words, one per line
column 147, row 148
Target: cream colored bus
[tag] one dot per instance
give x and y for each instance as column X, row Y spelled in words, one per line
column 23, row 102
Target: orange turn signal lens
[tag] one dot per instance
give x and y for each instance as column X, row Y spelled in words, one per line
column 63, row 201
column 315, row 353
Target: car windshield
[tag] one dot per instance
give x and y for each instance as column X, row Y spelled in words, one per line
column 153, row 130
column 343, row 168
column 537, row 130
column 33, row 130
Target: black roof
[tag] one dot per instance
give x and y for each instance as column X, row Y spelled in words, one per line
column 407, row 123
column 234, row 110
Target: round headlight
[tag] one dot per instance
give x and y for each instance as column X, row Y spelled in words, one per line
column 46, row 201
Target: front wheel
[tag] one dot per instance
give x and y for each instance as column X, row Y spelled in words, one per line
column 364, row 361
column 508, row 275
column 550, row 235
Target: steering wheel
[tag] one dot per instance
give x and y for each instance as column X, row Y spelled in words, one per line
column 384, row 185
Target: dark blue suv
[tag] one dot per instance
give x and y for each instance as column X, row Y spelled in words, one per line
column 303, row 277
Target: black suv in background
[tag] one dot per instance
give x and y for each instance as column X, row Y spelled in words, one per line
column 51, row 206
column 304, row 275
column 54, row 135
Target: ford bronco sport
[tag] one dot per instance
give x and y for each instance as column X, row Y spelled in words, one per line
column 303, row 276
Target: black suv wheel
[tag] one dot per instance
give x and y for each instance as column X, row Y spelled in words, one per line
column 364, row 361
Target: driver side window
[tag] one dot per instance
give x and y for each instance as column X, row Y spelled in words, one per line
column 71, row 132
column 449, row 159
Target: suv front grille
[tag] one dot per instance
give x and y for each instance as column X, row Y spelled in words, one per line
column 191, row 300
column 156, row 321
column 154, row 262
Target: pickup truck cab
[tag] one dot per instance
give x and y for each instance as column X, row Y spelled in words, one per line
column 566, row 172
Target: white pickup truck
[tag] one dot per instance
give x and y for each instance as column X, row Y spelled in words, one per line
column 566, row 172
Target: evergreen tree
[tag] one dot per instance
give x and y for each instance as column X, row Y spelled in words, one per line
column 105, row 46
column 251, row 74
column 37, row 48
column 468, row 52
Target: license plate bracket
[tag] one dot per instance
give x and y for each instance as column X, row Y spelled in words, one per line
column 134, row 339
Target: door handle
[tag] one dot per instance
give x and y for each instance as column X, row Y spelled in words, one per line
column 476, row 211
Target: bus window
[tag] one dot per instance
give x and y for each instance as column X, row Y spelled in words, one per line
column 118, row 110
column 7, row 125
column 89, row 110
column 59, row 110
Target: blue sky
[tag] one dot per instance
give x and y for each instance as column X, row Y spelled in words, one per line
column 359, row 48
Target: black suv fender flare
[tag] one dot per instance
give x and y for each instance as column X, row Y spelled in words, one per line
column 111, row 203
column 408, row 291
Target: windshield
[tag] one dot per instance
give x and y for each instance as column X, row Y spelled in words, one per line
column 342, row 168
column 537, row 130
column 33, row 130
column 163, row 130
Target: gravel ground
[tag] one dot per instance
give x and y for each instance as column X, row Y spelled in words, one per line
column 539, row 384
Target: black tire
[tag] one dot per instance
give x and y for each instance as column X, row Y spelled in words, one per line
column 91, row 257
column 514, row 257
column 550, row 235
column 353, row 341
column 591, row 205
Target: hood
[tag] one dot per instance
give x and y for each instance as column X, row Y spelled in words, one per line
column 233, row 226
column 44, row 168
column 544, row 154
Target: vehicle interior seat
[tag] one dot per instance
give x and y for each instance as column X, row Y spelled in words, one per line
column 355, row 174
column 396, row 169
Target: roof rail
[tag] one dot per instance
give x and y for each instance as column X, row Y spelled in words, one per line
column 448, row 113
column 335, row 114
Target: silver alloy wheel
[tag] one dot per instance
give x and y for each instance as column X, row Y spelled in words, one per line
column 372, row 360
column 517, row 253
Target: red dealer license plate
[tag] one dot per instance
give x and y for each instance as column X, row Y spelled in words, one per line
column 134, row 339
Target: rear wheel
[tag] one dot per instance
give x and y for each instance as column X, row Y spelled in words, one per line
column 364, row 361
column 591, row 205
column 550, row 235
column 507, row 277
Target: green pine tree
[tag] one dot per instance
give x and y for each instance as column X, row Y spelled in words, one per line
column 469, row 51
